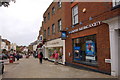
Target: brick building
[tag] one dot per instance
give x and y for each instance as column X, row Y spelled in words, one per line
column 54, row 22
column 88, row 40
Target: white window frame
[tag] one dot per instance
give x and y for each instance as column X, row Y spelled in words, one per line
column 59, row 25
column 115, row 2
column 59, row 4
column 48, row 15
column 53, row 10
column 53, row 28
column 75, row 15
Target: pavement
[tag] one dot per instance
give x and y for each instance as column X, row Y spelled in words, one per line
column 31, row 68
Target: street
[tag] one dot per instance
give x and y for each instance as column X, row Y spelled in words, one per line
column 31, row 68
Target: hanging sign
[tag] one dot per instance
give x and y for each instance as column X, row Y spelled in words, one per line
column 63, row 35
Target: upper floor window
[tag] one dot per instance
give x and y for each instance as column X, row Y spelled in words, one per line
column 75, row 15
column 44, row 19
column 53, row 10
column 48, row 15
column 48, row 30
column 117, row 2
column 59, row 25
column 59, row 4
column 72, row 1
column 53, row 28
column 44, row 33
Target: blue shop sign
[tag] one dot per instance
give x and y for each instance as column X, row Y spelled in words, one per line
column 76, row 48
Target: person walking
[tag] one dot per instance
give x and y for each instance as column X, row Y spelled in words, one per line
column 17, row 56
column 40, row 56
column 56, row 57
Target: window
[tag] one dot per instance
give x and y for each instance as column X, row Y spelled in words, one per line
column 44, row 19
column 85, row 50
column 75, row 15
column 48, row 15
column 53, row 28
column 72, row 1
column 59, row 4
column 117, row 2
column 48, row 30
column 44, row 33
column 59, row 25
column 53, row 10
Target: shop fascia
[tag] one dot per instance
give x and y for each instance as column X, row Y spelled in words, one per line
column 86, row 27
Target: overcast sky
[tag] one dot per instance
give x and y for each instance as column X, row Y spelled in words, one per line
column 21, row 21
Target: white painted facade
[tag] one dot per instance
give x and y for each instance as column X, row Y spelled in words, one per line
column 13, row 46
column 3, row 45
column 25, row 49
column 34, row 47
column 114, row 32
column 55, row 43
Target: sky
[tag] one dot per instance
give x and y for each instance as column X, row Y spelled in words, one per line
column 21, row 21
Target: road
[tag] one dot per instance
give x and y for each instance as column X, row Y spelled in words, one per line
column 30, row 68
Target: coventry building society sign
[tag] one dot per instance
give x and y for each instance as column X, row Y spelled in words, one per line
column 86, row 27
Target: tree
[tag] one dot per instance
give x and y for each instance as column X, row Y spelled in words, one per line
column 6, row 3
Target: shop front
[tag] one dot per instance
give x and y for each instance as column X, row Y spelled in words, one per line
column 88, row 47
column 55, row 45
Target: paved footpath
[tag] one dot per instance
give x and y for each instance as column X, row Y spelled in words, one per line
column 30, row 68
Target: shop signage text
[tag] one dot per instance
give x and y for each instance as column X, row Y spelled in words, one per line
column 86, row 27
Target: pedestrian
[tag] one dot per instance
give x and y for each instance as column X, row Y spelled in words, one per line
column 40, row 56
column 56, row 57
column 17, row 56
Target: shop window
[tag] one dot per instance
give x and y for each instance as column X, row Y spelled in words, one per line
column 84, row 50
column 53, row 29
column 59, row 25
column 59, row 4
column 75, row 15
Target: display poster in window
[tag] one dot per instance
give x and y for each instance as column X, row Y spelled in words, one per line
column 76, row 53
column 90, row 48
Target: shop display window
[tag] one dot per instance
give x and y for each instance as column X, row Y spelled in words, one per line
column 52, row 50
column 84, row 50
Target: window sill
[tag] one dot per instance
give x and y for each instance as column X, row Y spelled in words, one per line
column 86, row 63
column 75, row 24
column 115, row 7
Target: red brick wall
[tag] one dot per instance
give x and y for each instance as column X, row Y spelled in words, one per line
column 102, row 32
column 59, row 14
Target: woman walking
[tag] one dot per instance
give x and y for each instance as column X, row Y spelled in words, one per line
column 40, row 56
column 56, row 57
